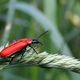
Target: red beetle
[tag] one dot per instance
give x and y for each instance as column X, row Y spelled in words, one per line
column 16, row 47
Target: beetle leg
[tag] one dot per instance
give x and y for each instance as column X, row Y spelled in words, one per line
column 33, row 49
column 11, row 59
column 22, row 53
column 19, row 53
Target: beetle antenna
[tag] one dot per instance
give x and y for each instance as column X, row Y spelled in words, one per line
column 41, row 35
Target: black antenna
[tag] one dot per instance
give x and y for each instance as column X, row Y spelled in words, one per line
column 36, row 41
column 42, row 34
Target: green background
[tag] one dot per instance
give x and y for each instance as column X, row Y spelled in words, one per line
column 28, row 19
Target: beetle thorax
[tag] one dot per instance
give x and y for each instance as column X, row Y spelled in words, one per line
column 29, row 41
column 25, row 40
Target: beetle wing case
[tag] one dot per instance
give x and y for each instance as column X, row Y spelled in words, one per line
column 14, row 47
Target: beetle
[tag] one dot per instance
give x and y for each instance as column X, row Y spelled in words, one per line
column 18, row 46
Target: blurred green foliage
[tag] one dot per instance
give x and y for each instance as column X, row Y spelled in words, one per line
column 65, row 14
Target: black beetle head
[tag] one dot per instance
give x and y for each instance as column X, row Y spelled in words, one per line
column 34, row 41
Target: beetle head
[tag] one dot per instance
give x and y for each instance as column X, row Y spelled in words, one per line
column 34, row 41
